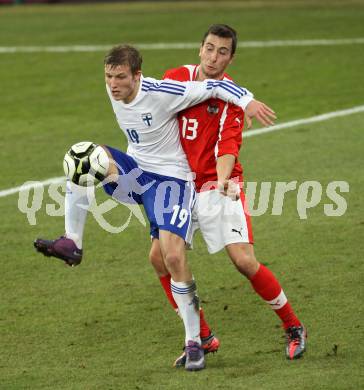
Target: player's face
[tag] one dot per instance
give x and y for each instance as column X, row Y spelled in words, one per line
column 215, row 55
column 122, row 83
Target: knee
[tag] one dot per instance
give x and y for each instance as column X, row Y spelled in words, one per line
column 246, row 263
column 112, row 170
column 173, row 260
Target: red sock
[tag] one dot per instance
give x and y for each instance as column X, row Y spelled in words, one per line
column 268, row 287
column 205, row 331
column 166, row 284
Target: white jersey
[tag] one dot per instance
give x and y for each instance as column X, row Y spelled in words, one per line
column 150, row 120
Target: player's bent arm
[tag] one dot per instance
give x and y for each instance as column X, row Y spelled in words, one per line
column 232, row 93
column 224, row 167
column 190, row 93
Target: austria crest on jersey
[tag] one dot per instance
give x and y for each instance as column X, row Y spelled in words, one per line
column 147, row 118
column 213, row 109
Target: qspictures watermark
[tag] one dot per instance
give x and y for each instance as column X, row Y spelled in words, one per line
column 308, row 195
column 258, row 196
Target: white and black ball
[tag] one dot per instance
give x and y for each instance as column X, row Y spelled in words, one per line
column 86, row 163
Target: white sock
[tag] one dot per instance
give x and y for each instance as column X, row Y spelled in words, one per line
column 185, row 295
column 78, row 201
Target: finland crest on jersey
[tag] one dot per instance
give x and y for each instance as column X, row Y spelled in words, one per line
column 147, row 119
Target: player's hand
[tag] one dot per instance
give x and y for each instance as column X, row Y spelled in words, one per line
column 261, row 112
column 229, row 188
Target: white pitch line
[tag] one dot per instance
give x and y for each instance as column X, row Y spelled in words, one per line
column 303, row 42
column 250, row 133
column 14, row 190
column 304, row 121
column 179, row 45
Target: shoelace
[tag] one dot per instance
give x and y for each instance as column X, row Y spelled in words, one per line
column 193, row 352
column 294, row 334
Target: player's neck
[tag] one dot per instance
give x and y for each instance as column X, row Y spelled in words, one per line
column 201, row 76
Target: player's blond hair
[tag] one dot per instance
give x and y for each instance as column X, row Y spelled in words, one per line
column 124, row 55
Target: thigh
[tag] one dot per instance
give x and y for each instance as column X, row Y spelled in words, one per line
column 222, row 221
column 168, row 205
column 171, row 243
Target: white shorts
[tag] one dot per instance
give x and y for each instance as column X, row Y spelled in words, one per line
column 221, row 220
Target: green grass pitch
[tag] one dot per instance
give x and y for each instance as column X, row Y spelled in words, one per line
column 106, row 324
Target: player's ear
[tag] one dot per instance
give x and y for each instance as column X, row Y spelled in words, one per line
column 137, row 75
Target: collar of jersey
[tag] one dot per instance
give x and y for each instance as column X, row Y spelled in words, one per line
column 197, row 68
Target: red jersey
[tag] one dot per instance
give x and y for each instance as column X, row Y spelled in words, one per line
column 208, row 130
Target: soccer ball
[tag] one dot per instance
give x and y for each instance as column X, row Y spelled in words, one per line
column 86, row 163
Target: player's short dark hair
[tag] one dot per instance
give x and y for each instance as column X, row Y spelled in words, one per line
column 124, row 55
column 223, row 31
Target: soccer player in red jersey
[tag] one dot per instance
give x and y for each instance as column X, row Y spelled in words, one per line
column 211, row 136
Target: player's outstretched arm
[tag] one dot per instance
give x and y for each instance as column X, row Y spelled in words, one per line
column 261, row 112
column 180, row 95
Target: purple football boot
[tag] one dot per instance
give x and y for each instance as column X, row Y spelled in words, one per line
column 195, row 357
column 62, row 248
column 209, row 344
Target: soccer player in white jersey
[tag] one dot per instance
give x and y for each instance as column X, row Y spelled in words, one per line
column 211, row 136
column 146, row 112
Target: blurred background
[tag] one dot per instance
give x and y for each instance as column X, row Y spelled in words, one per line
column 106, row 324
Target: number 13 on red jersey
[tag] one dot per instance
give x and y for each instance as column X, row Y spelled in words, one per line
column 189, row 128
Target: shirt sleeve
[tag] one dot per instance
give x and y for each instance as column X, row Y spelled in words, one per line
column 177, row 95
column 231, row 126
